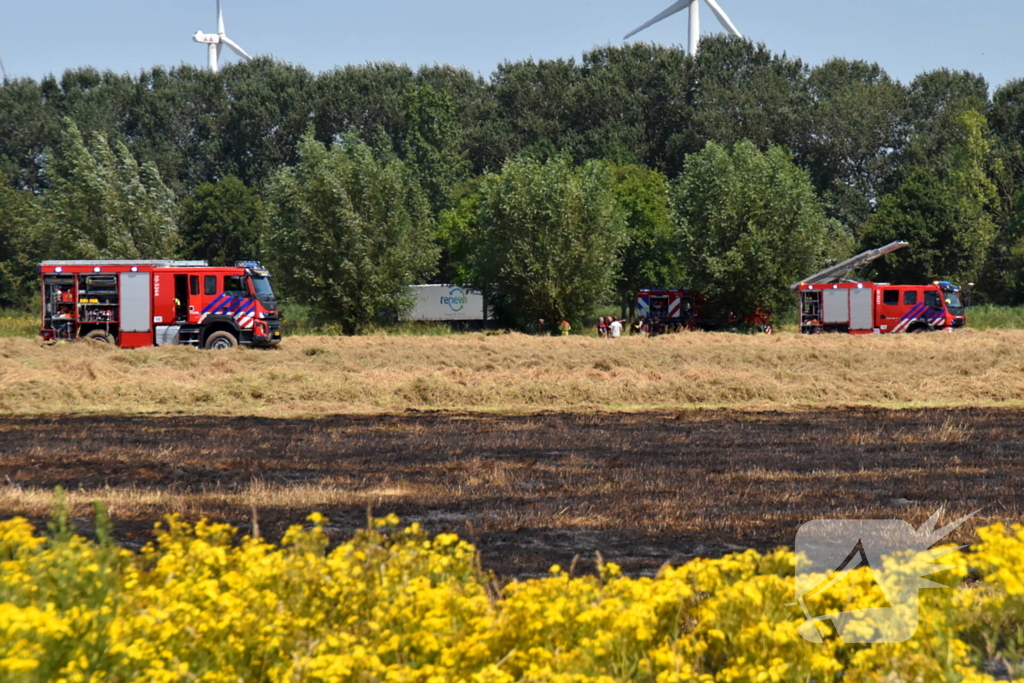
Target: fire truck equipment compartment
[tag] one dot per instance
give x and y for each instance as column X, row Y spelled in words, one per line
column 168, row 335
column 135, row 302
column 861, row 317
column 836, row 307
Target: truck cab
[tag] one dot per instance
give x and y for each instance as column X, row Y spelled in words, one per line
column 953, row 297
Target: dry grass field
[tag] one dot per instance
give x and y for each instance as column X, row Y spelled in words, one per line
column 531, row 490
column 311, row 376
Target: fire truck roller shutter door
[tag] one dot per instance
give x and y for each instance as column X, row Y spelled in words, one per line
column 836, row 306
column 135, row 302
column 861, row 317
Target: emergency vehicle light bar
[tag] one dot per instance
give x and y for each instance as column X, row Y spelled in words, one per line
column 112, row 262
column 843, row 269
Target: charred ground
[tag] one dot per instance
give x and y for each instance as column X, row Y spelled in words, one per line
column 530, row 491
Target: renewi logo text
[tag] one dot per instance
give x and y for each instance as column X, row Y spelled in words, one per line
column 455, row 300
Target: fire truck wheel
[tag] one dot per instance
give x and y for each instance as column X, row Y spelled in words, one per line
column 100, row 336
column 221, row 340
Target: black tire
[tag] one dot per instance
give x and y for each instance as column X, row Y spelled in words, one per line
column 919, row 329
column 220, row 341
column 101, row 336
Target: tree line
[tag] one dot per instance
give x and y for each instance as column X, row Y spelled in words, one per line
column 558, row 185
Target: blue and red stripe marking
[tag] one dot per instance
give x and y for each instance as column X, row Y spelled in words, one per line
column 237, row 307
column 919, row 312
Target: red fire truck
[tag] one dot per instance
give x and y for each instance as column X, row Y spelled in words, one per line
column 873, row 307
column 157, row 303
column 878, row 308
column 675, row 306
column 680, row 309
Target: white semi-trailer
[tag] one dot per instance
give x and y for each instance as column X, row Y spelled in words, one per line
column 446, row 303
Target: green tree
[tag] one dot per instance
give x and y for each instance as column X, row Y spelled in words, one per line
column 485, row 136
column 649, row 256
column 222, row 223
column 936, row 101
column 1003, row 278
column 549, row 237
column 431, row 141
column 942, row 211
column 852, row 126
column 28, row 126
column 103, row 204
column 752, row 225
column 1006, row 120
column 532, row 99
column 350, row 230
column 361, row 99
column 460, row 238
column 21, row 249
column 741, row 91
column 272, row 104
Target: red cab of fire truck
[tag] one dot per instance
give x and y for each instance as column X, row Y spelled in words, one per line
column 878, row 308
column 156, row 303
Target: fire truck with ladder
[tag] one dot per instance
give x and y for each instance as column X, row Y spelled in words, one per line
column 830, row 302
column 156, row 303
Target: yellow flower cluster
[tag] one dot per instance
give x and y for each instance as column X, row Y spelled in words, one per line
column 396, row 605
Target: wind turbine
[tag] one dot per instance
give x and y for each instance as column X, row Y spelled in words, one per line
column 694, row 7
column 216, row 40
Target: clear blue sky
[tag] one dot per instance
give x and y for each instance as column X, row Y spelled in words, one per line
column 905, row 36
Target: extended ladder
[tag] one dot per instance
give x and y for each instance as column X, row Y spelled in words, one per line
column 841, row 271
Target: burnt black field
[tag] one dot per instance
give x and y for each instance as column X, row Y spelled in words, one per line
column 533, row 491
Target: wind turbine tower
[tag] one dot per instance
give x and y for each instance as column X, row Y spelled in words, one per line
column 215, row 41
column 694, row 7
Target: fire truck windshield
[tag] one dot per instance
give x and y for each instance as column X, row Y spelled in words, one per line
column 953, row 300
column 261, row 285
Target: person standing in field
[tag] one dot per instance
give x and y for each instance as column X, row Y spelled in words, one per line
column 564, row 328
column 602, row 327
column 615, row 329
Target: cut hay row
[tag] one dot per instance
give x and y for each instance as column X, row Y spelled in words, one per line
column 516, row 373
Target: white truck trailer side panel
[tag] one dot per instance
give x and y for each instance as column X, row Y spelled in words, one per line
column 442, row 303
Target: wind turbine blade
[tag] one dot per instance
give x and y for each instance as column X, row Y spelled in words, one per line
column 234, row 46
column 220, row 20
column 3, row 70
column 724, row 18
column 677, row 7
